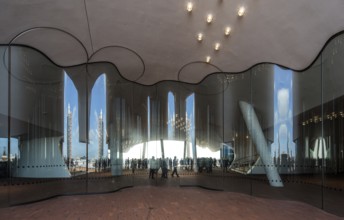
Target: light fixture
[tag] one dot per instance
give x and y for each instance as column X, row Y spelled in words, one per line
column 208, row 58
column 189, row 6
column 217, row 46
column 227, row 30
column 209, row 18
column 241, row 11
column 199, row 36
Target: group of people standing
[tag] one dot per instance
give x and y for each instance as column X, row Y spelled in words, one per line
column 134, row 164
column 156, row 164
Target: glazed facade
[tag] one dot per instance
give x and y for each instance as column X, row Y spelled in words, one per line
column 86, row 129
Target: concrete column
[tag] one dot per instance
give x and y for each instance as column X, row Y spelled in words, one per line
column 116, row 139
column 194, row 152
column 162, row 148
column 144, row 150
column 184, row 155
column 41, row 158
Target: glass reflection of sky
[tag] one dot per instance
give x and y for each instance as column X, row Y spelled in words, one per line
column 283, row 113
column 98, row 103
column 190, row 114
column 14, row 147
column 171, row 115
column 71, row 98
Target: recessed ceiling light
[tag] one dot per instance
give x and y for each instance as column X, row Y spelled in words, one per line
column 199, row 36
column 227, row 31
column 241, row 11
column 217, row 46
column 189, row 6
column 207, row 59
column 209, row 18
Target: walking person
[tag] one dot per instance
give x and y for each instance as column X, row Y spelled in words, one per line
column 152, row 167
column 175, row 165
column 164, row 169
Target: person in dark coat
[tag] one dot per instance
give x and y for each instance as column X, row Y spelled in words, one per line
column 175, row 165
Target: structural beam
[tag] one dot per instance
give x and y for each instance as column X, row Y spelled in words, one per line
column 259, row 140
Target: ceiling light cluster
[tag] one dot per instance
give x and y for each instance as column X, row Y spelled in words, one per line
column 189, row 6
column 227, row 30
column 209, row 19
column 217, row 46
column 241, row 11
column 199, row 36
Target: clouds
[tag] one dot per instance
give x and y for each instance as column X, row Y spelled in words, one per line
column 93, row 135
column 104, row 83
column 283, row 103
column 283, row 111
column 95, row 115
column 283, row 132
column 74, row 114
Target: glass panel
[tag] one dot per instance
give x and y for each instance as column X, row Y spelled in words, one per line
column 75, row 127
column 201, row 110
column 37, row 115
column 6, row 156
column 99, row 161
column 331, row 146
column 171, row 134
column 272, row 106
column 112, row 96
column 303, row 182
column 146, row 143
column 236, row 155
column 268, row 132
column 184, row 125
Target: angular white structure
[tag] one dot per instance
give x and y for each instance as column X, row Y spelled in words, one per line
column 259, row 140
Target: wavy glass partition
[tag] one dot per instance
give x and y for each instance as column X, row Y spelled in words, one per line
column 269, row 131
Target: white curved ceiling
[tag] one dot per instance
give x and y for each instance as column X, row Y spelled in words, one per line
column 162, row 34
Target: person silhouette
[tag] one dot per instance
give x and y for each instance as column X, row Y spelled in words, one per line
column 152, row 167
column 175, row 165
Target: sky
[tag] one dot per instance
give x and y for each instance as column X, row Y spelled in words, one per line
column 170, row 113
column 283, row 112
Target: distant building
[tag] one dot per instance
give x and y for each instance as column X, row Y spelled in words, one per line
column 69, row 135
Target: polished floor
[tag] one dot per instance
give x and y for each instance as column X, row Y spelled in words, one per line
column 306, row 190
column 164, row 202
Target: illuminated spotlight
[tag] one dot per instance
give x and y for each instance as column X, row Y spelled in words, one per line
column 217, row 46
column 209, row 18
column 189, row 6
column 199, row 36
column 227, row 31
column 241, row 11
column 208, row 58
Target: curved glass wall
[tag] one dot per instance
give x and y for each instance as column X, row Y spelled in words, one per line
column 4, row 135
column 268, row 131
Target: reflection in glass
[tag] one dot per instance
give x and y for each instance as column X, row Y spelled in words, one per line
column 73, row 150
column 298, row 115
column 37, row 114
column 190, row 130
column 98, row 150
column 283, row 147
column 171, row 118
